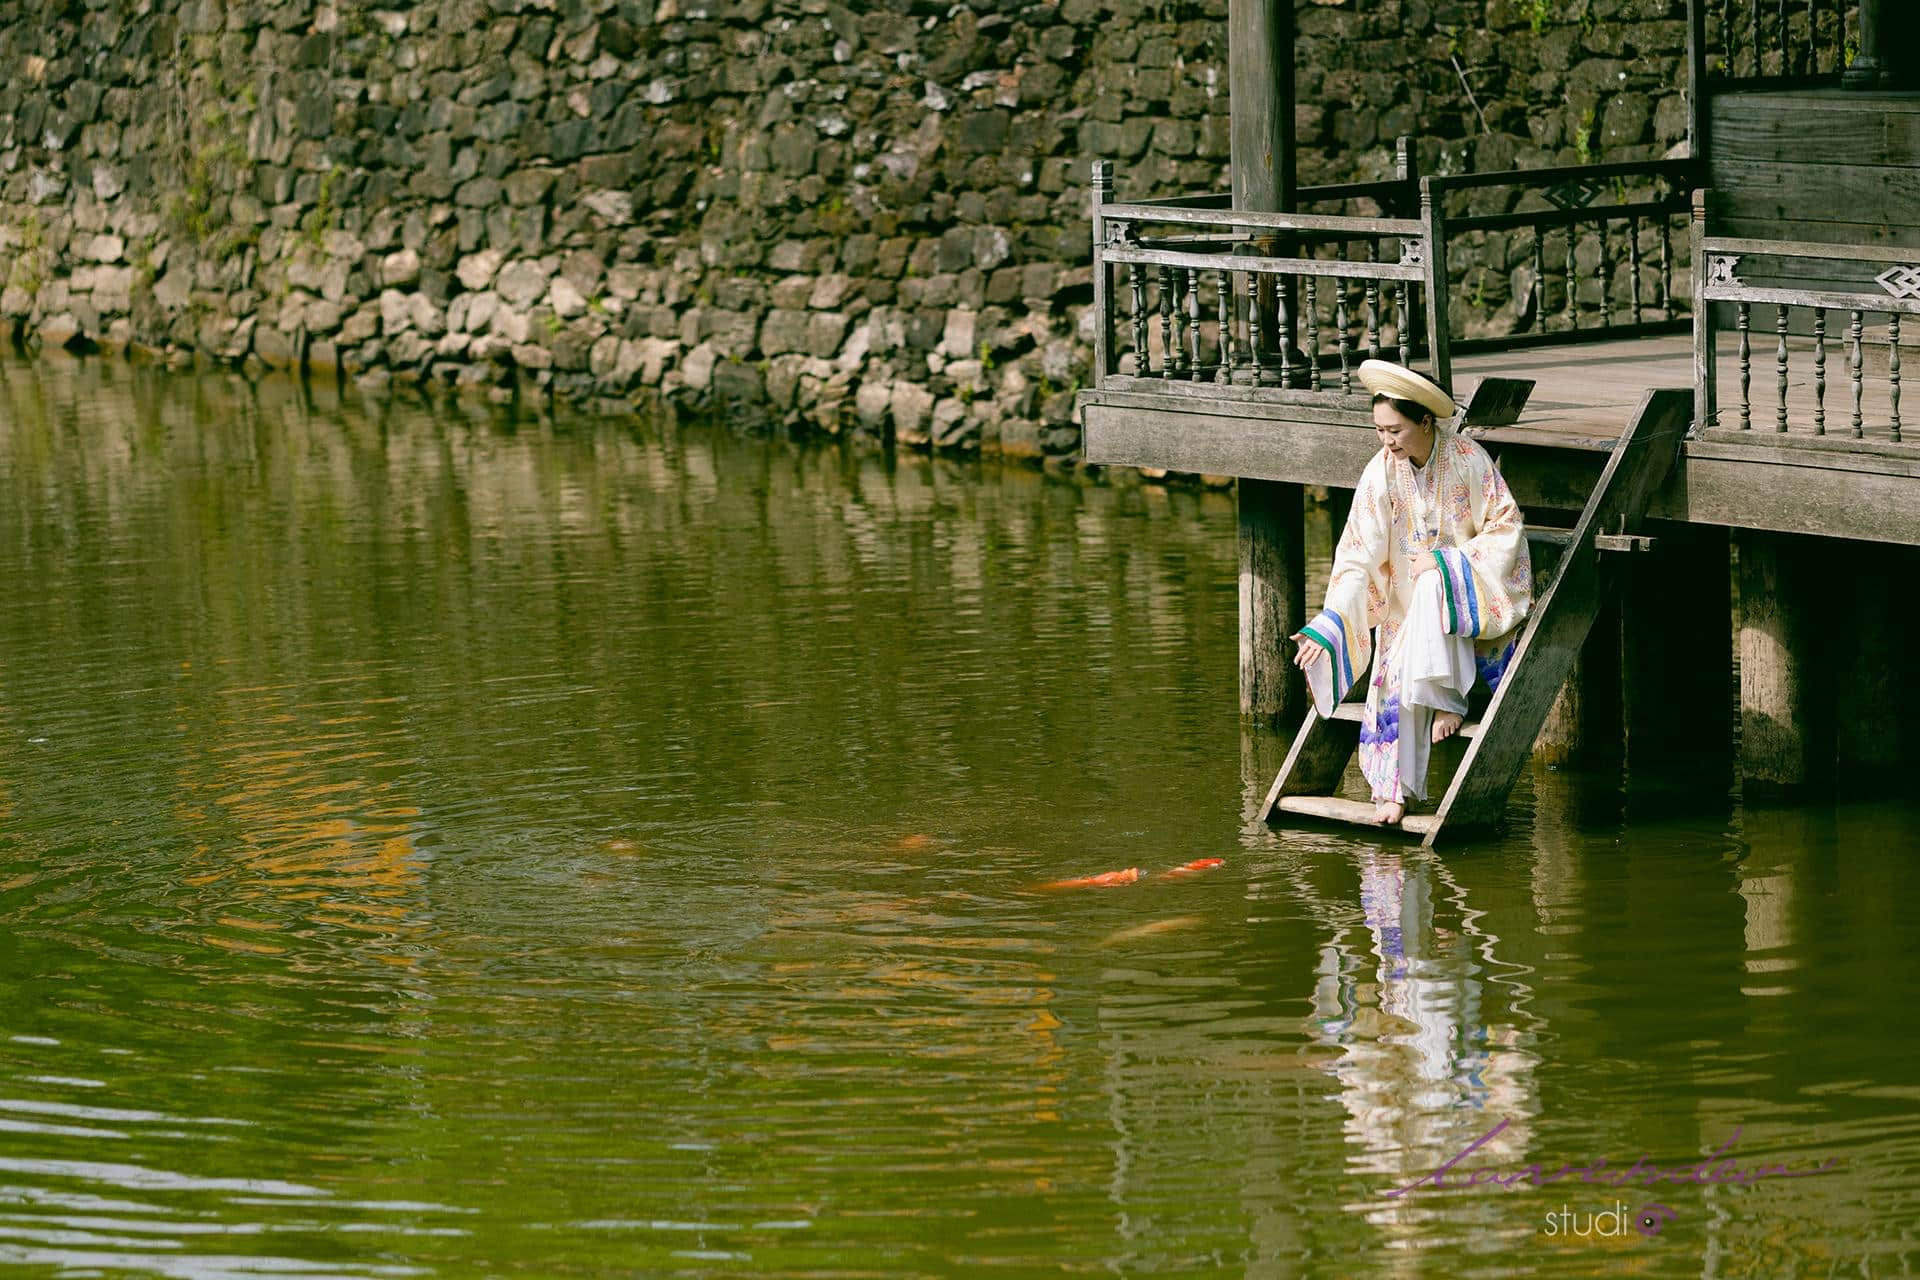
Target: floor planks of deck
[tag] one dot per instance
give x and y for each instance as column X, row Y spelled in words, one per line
column 1584, row 394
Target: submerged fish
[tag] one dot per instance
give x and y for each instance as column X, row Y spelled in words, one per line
column 913, row 842
column 1135, row 932
column 1198, row 864
column 1105, row 880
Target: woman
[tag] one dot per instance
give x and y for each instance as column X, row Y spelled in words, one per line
column 1434, row 555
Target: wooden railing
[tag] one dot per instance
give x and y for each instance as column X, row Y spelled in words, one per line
column 1191, row 290
column 1291, row 302
column 1589, row 252
column 1761, row 43
column 1824, row 306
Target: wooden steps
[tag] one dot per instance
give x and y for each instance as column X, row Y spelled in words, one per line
column 1354, row 710
column 1356, row 812
column 1564, row 607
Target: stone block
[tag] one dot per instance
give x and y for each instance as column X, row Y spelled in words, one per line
column 829, row 291
column 566, row 301
column 476, row 270
column 529, row 186
column 911, row 406
column 825, row 329
column 613, row 207
column 523, row 281
column 957, row 339
column 400, row 269
column 783, row 332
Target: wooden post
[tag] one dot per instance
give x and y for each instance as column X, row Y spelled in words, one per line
column 1339, row 504
column 1704, row 399
column 1699, row 117
column 1676, row 661
column 1786, row 744
column 1272, row 526
column 1102, row 286
column 1868, row 71
column 1272, row 598
column 1583, row 726
column 1873, row 707
column 1433, row 224
column 1260, row 89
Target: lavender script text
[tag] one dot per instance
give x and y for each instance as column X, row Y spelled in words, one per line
column 1717, row 1169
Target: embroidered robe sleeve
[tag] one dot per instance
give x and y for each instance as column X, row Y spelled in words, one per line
column 1356, row 592
column 1488, row 576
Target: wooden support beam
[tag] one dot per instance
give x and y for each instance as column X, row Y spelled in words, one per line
column 1583, row 726
column 1786, row 692
column 1676, row 663
column 1100, row 193
column 1433, row 221
column 1873, row 705
column 1867, row 70
column 1260, row 93
column 1339, row 505
column 1698, row 113
column 1272, row 598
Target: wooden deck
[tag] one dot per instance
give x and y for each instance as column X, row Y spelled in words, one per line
column 1585, row 393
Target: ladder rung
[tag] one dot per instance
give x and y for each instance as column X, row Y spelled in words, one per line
column 1355, row 710
column 1546, row 533
column 1334, row 809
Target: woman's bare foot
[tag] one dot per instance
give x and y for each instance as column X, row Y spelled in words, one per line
column 1387, row 812
column 1445, row 725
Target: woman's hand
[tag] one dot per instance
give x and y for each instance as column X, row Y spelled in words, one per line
column 1308, row 653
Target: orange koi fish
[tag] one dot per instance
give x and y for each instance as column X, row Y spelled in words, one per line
column 1198, row 864
column 1105, row 880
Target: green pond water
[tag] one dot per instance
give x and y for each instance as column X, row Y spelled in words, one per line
column 441, row 842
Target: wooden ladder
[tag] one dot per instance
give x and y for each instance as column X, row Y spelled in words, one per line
column 1500, row 740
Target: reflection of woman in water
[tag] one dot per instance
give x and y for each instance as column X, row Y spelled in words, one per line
column 1422, row 1071
column 1434, row 555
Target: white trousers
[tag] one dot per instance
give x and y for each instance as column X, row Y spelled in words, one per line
column 1436, row 671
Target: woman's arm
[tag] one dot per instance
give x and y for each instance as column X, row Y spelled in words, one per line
column 1337, row 644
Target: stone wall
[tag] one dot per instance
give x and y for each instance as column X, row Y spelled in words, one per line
column 858, row 219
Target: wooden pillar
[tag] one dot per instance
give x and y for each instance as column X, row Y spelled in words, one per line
column 1873, row 705
column 1698, row 116
column 1676, row 661
column 1868, row 69
column 1583, row 725
column 1272, row 598
column 1339, row 505
column 1786, row 745
column 1100, row 193
column 1272, row 527
column 1260, row 90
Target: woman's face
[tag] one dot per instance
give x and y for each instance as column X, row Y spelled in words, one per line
column 1400, row 435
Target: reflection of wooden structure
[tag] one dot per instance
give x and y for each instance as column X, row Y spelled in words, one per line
column 1230, row 327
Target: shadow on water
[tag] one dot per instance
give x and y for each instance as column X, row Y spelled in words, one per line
column 440, row 842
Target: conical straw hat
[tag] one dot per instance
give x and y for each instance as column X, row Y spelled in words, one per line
column 1384, row 378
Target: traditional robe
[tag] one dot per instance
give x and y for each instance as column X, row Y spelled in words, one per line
column 1455, row 516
